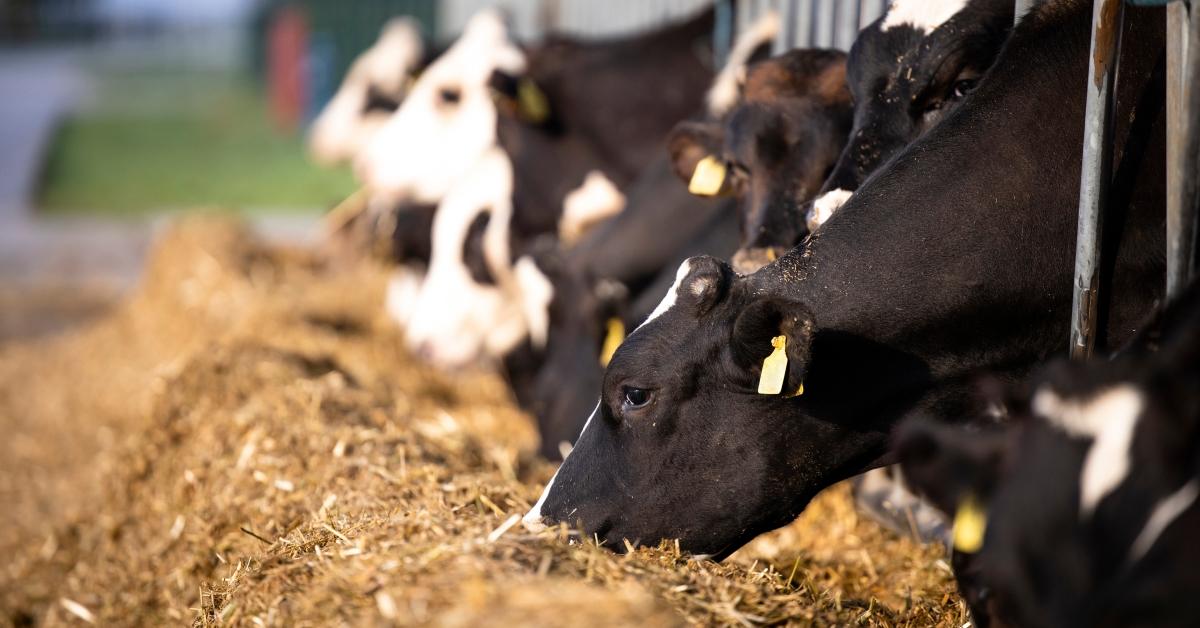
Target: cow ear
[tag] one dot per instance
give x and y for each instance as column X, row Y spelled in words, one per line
column 772, row 340
column 951, row 465
column 689, row 143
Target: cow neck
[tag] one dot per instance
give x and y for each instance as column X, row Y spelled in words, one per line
column 959, row 253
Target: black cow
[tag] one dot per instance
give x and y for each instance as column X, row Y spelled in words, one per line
column 1081, row 509
column 776, row 146
column 908, row 71
column 954, row 258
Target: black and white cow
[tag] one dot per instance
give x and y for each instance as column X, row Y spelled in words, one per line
column 776, row 146
column 371, row 92
column 502, row 137
column 1082, row 508
column 954, row 258
column 908, row 70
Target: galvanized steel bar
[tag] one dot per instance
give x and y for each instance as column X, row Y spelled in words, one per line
column 723, row 32
column 1107, row 17
column 1183, row 144
column 1022, row 7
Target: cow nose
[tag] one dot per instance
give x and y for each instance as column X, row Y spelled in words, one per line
column 535, row 521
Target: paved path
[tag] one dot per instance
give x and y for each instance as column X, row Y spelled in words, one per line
column 56, row 270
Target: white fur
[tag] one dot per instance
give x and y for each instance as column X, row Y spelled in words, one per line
column 726, row 87
column 824, row 207
column 1108, row 420
column 1165, row 512
column 455, row 319
column 923, row 15
column 533, row 519
column 403, row 287
column 343, row 129
column 668, row 300
column 427, row 146
column 535, row 294
column 595, row 200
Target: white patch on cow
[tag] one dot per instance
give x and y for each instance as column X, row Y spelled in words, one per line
column 343, row 128
column 669, row 299
column 536, row 293
column 533, row 519
column 726, row 87
column 403, row 288
column 923, row 15
column 824, row 207
column 594, row 201
column 455, row 320
column 431, row 143
column 1165, row 512
column 1108, row 420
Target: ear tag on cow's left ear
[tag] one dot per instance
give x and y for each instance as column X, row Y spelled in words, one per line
column 612, row 340
column 774, row 368
column 531, row 102
column 708, row 179
column 970, row 523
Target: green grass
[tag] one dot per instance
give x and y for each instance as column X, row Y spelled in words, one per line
column 159, row 141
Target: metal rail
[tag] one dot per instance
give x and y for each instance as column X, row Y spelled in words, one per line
column 1107, row 18
column 1183, row 145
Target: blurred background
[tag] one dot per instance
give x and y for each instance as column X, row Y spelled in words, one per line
column 118, row 114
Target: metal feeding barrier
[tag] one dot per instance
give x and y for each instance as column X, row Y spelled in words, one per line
column 1183, row 157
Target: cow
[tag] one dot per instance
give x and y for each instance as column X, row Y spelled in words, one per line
column 566, row 116
column 1080, row 508
column 371, row 92
column 776, row 146
column 741, row 397
column 908, row 70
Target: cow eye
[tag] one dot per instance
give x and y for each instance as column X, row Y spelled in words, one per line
column 636, row 398
column 450, row 95
column 964, row 87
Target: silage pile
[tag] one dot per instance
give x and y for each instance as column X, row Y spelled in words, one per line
column 245, row 443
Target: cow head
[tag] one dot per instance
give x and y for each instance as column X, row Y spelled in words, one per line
column 449, row 119
column 1082, row 509
column 372, row 91
column 682, row 445
column 776, row 146
column 475, row 302
column 907, row 71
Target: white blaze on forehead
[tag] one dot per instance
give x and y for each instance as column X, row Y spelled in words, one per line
column 533, row 519
column 536, row 293
column 430, row 143
column 456, row 319
column 824, row 207
column 1108, row 420
column 403, row 287
column 596, row 200
column 1165, row 512
column 343, row 128
column 723, row 94
column 669, row 299
column 923, row 15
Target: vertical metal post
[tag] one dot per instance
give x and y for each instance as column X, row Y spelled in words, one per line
column 1183, row 144
column 1022, row 7
column 722, row 32
column 1096, row 176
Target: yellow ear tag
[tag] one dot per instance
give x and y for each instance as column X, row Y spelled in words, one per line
column 970, row 523
column 531, row 102
column 612, row 340
column 774, row 368
column 708, row 179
